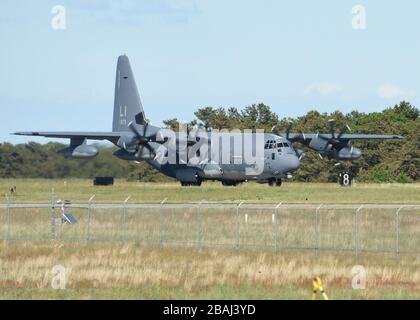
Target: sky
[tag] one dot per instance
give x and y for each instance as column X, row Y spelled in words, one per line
column 294, row 56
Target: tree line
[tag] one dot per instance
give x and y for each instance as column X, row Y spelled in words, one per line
column 382, row 161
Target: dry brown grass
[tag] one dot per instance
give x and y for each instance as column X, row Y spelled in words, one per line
column 192, row 273
column 140, row 270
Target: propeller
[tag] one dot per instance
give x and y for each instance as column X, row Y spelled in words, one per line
column 289, row 126
column 335, row 140
column 144, row 137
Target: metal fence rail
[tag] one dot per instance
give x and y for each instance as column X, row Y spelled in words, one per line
column 278, row 227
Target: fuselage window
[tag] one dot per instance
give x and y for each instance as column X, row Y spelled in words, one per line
column 286, row 144
column 273, row 156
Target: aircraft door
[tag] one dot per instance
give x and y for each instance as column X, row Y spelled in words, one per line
column 267, row 162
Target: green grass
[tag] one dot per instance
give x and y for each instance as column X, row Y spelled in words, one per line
column 82, row 190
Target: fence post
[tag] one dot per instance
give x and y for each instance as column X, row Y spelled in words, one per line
column 318, row 229
column 88, row 217
column 124, row 222
column 53, row 233
column 397, row 231
column 199, row 227
column 9, row 221
column 161, row 223
column 357, row 231
column 276, row 226
column 238, row 234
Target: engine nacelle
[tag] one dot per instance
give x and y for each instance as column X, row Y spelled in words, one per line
column 349, row 153
column 124, row 155
column 82, row 151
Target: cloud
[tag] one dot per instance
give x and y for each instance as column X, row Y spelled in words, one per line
column 389, row 91
column 132, row 11
column 323, row 88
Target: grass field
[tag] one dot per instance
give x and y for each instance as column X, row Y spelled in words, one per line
column 129, row 272
column 40, row 190
column 138, row 270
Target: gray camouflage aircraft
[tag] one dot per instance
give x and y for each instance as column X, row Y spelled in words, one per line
column 138, row 140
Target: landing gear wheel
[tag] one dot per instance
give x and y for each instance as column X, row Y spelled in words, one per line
column 275, row 182
column 229, row 183
column 193, row 184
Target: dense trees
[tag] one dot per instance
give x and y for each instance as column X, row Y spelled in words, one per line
column 383, row 161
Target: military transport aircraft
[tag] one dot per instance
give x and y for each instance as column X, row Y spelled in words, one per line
column 138, row 140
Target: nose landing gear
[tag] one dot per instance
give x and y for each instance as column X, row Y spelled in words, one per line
column 228, row 183
column 275, row 182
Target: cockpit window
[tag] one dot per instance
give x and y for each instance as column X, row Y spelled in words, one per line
column 272, row 144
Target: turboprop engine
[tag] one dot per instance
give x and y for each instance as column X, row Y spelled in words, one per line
column 79, row 151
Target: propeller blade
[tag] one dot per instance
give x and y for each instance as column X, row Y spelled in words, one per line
column 343, row 131
column 151, row 150
column 288, row 128
column 133, row 128
column 145, row 129
column 273, row 130
column 331, row 124
column 139, row 151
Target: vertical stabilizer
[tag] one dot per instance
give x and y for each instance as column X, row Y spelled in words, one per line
column 127, row 104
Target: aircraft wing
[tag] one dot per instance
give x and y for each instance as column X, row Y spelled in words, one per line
column 344, row 137
column 110, row 136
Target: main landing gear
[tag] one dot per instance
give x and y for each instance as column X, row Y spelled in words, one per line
column 191, row 184
column 275, row 182
column 230, row 183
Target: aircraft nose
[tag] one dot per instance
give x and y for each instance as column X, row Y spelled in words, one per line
column 292, row 163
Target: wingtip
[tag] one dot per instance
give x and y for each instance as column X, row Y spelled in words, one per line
column 24, row 133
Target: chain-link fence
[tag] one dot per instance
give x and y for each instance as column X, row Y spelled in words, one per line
column 355, row 228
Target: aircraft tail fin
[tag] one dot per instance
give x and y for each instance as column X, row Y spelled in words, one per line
column 127, row 103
